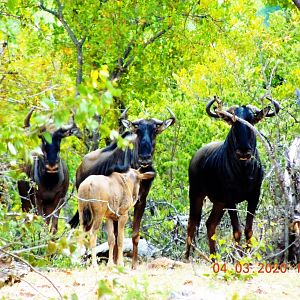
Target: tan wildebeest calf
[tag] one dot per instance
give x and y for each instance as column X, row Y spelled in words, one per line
column 111, row 197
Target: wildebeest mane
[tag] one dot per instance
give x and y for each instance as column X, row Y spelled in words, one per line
column 117, row 160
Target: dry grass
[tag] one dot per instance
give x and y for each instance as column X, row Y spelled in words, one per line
column 159, row 279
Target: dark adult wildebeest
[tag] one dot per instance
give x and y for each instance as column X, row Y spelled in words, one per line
column 227, row 173
column 143, row 133
column 49, row 178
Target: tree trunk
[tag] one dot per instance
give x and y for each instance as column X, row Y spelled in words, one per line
column 292, row 183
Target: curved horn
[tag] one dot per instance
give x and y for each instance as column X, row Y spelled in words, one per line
column 27, row 118
column 172, row 114
column 124, row 114
column 208, row 107
column 276, row 108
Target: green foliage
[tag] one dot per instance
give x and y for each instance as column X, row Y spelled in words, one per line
column 168, row 53
column 135, row 289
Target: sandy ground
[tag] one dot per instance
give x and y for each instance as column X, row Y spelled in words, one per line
column 160, row 279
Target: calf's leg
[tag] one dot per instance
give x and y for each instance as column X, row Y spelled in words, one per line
column 111, row 241
column 120, row 239
column 93, row 238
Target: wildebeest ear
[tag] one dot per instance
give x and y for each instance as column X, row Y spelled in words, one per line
column 261, row 114
column 146, row 175
column 127, row 124
column 165, row 125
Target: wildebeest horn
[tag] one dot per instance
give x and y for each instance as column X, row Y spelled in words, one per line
column 208, row 107
column 172, row 114
column 124, row 114
column 27, row 118
column 276, row 108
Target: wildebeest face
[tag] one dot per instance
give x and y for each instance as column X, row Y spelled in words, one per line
column 51, row 152
column 243, row 137
column 146, row 131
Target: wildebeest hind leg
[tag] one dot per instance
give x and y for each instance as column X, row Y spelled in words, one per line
column 211, row 224
column 196, row 203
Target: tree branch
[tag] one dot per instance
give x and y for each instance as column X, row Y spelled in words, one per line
column 77, row 42
column 122, row 67
column 297, row 3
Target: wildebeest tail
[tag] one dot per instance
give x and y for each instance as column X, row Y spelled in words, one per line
column 74, row 222
column 87, row 218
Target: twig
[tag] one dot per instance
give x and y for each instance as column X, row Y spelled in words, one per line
column 31, row 285
column 32, row 269
column 28, row 249
column 282, row 251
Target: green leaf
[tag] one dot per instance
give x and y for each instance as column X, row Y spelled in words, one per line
column 51, row 248
column 104, row 288
column 11, row 148
column 47, row 136
column 11, row 4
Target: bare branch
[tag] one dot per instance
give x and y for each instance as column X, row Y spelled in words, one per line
column 122, row 68
column 77, row 42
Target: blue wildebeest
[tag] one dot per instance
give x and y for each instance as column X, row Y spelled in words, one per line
column 143, row 133
column 49, row 177
column 109, row 197
column 227, row 173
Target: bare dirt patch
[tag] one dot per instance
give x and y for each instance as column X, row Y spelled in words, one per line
column 159, row 279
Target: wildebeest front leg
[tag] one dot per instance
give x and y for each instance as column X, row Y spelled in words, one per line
column 196, row 203
column 138, row 213
column 139, row 209
column 51, row 212
column 237, row 232
column 27, row 193
column 211, row 224
column 249, row 220
column 120, row 239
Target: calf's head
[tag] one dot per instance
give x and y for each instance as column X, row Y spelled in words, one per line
column 146, row 131
column 242, row 137
column 135, row 178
